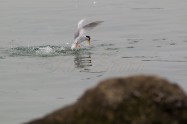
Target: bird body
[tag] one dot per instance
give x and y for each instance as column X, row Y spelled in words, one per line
column 80, row 35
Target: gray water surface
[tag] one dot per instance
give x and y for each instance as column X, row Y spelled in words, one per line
column 40, row 73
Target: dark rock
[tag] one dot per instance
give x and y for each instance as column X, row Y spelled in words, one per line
column 131, row 100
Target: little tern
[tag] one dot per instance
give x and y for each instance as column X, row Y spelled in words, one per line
column 80, row 35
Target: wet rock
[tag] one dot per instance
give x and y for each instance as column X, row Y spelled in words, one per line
column 131, row 100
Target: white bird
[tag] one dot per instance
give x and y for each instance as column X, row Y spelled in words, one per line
column 80, row 35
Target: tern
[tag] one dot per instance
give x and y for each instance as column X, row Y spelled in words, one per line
column 80, row 35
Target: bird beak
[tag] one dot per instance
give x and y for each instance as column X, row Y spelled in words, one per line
column 89, row 42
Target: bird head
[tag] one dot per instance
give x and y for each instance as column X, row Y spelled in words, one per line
column 88, row 39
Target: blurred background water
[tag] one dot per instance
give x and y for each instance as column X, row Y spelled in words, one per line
column 40, row 73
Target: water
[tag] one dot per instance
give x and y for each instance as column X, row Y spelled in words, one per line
column 40, row 73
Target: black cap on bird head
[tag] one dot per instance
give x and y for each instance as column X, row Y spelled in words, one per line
column 88, row 39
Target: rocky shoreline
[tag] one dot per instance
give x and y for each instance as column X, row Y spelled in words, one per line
column 130, row 100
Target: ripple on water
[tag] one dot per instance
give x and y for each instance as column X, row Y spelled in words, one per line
column 112, row 49
column 105, row 45
column 1, row 57
column 159, row 60
column 130, row 47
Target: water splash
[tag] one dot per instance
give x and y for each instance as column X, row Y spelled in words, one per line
column 42, row 51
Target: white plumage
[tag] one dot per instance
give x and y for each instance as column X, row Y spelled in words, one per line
column 80, row 34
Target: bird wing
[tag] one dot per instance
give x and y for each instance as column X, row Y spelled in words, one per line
column 80, row 25
column 82, row 29
column 76, row 34
column 89, row 27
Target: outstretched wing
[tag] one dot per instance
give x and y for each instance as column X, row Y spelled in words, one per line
column 83, row 29
column 91, row 25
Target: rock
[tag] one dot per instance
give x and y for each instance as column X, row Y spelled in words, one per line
column 132, row 100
